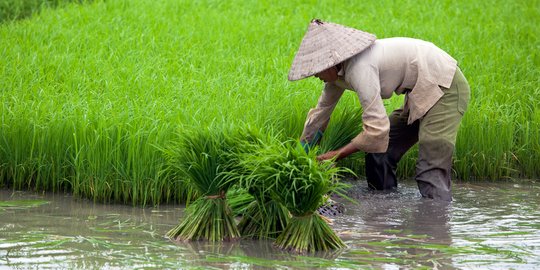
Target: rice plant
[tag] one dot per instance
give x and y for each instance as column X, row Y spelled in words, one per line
column 88, row 91
column 296, row 180
column 264, row 219
column 343, row 127
column 239, row 200
column 201, row 159
column 19, row 9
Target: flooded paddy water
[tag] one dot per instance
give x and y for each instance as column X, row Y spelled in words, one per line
column 489, row 225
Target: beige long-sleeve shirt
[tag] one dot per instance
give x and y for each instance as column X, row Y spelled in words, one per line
column 392, row 65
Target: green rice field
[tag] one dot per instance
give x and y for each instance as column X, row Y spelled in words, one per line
column 91, row 92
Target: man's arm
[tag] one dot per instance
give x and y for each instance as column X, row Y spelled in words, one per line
column 318, row 117
column 364, row 79
column 375, row 123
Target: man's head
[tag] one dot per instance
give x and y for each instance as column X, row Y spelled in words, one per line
column 325, row 45
column 328, row 75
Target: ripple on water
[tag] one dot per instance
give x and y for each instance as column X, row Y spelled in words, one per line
column 487, row 224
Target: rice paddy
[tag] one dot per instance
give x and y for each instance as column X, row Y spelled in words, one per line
column 96, row 94
column 91, row 92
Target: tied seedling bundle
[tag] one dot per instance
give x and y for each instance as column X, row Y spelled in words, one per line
column 342, row 129
column 239, row 200
column 202, row 159
column 264, row 217
column 299, row 182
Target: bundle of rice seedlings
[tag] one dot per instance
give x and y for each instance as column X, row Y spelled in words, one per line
column 264, row 217
column 239, row 200
column 342, row 129
column 201, row 159
column 296, row 180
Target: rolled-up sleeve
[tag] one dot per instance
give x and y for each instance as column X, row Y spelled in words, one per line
column 364, row 79
column 319, row 116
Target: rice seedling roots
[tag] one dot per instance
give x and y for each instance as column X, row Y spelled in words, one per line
column 308, row 233
column 209, row 218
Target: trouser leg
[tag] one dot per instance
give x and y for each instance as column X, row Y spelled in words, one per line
column 437, row 138
column 381, row 167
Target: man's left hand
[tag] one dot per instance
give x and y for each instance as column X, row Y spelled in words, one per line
column 328, row 155
column 344, row 152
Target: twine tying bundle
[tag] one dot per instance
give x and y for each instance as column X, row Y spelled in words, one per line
column 221, row 195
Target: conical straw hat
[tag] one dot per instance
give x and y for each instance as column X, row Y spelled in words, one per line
column 325, row 45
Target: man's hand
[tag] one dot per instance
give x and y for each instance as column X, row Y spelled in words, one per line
column 343, row 152
column 328, row 155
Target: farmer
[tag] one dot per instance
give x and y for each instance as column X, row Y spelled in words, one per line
column 436, row 97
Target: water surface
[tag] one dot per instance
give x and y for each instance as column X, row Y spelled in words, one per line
column 489, row 225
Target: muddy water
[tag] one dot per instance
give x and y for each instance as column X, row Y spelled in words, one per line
column 493, row 226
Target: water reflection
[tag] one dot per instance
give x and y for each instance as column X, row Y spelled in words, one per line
column 487, row 225
column 398, row 225
column 430, row 218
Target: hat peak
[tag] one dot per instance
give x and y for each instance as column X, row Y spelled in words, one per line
column 324, row 47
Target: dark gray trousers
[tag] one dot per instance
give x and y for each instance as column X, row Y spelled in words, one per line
column 436, row 136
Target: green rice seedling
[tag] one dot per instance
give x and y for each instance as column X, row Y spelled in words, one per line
column 19, row 9
column 343, row 127
column 263, row 217
column 201, row 159
column 21, row 204
column 208, row 218
column 88, row 90
column 239, row 200
column 298, row 181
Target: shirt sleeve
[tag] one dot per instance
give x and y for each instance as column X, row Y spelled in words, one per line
column 318, row 117
column 364, row 79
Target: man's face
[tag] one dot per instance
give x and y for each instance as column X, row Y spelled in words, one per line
column 328, row 75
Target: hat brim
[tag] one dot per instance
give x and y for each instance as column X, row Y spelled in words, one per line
column 326, row 45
